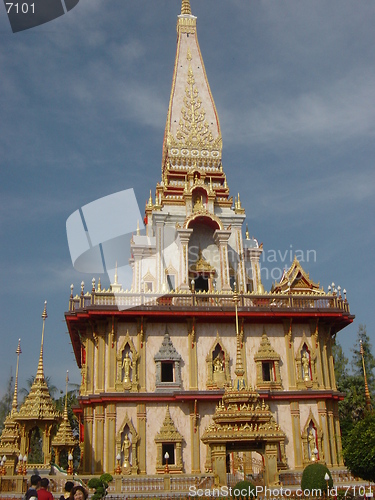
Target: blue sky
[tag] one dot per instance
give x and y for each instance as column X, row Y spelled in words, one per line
column 83, row 104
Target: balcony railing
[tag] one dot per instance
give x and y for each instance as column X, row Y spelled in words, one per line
column 268, row 300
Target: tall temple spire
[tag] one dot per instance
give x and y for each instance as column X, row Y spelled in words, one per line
column 40, row 370
column 367, row 392
column 38, row 404
column 192, row 137
column 15, row 396
column 185, row 7
column 239, row 382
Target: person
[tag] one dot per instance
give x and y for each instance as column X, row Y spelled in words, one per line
column 43, row 492
column 34, row 485
column 67, row 489
column 78, row 493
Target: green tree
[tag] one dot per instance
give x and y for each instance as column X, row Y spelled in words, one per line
column 359, row 452
column 341, row 366
column 6, row 402
column 369, row 358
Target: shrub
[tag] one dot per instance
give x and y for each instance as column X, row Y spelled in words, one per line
column 313, row 478
column 243, row 486
column 100, row 485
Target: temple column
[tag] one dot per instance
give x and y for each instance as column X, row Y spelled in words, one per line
column 332, row 439
column 141, row 332
column 100, row 358
column 218, row 456
column 270, row 464
column 110, row 435
column 99, row 439
column 88, row 434
column 160, row 263
column 289, row 349
column 296, row 429
column 193, row 359
column 195, row 441
column 141, row 429
column 323, row 422
column 111, row 362
column 221, row 238
column 337, row 433
column 241, row 274
column 184, row 236
column 254, row 254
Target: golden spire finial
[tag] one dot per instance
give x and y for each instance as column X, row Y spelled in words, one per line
column 66, row 396
column 138, row 230
column 185, row 7
column 116, row 274
column 367, row 392
column 40, row 370
column 239, row 382
column 247, row 232
column 15, row 396
column 150, row 200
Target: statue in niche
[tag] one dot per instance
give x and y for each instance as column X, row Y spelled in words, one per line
column 126, row 451
column 312, row 444
column 218, row 369
column 218, row 364
column 306, row 365
column 127, row 366
column 198, row 204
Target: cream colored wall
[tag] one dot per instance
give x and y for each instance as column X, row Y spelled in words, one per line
column 281, row 412
column 155, row 415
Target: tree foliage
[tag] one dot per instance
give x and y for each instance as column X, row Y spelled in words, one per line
column 359, row 452
column 369, row 359
column 6, row 402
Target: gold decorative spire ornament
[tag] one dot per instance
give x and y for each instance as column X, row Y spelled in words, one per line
column 185, row 7
column 38, row 404
column 64, row 438
column 40, row 370
column 367, row 392
column 15, row 396
column 239, row 382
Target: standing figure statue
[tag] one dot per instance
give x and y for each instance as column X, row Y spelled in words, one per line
column 127, row 365
column 306, row 366
column 126, row 451
column 312, row 444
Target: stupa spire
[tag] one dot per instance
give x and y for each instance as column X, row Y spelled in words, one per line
column 185, row 7
column 40, row 370
column 367, row 392
column 239, row 382
column 15, row 396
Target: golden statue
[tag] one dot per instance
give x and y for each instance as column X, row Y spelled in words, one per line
column 198, row 204
column 306, row 366
column 218, row 364
column 312, row 444
column 126, row 449
column 127, row 365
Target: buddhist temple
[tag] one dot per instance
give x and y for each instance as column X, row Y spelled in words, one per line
column 203, row 368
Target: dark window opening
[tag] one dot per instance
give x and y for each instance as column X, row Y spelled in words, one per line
column 171, row 281
column 232, row 281
column 267, row 371
column 201, row 284
column 168, row 448
column 167, row 371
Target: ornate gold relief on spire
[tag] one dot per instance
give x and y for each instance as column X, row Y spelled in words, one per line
column 64, row 438
column 185, row 7
column 194, row 131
